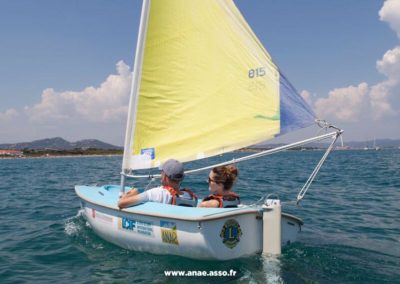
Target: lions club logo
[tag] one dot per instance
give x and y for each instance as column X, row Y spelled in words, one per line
column 231, row 233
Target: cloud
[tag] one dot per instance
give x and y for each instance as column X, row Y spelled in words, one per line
column 382, row 95
column 389, row 65
column 106, row 103
column 306, row 96
column 380, row 105
column 378, row 101
column 344, row 104
column 94, row 112
column 8, row 115
column 390, row 13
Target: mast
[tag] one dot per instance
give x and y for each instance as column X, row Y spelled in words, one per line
column 137, row 72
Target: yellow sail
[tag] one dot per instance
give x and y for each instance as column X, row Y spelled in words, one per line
column 207, row 85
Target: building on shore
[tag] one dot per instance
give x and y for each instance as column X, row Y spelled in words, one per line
column 11, row 153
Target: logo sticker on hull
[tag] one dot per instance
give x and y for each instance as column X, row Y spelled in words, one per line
column 169, row 233
column 231, row 233
column 136, row 226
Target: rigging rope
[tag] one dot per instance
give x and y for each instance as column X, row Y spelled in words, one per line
column 151, row 178
column 253, row 156
column 306, row 186
column 322, row 123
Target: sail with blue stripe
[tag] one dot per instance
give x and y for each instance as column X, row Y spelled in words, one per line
column 295, row 112
column 204, row 85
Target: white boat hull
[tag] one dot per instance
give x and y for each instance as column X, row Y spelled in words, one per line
column 227, row 234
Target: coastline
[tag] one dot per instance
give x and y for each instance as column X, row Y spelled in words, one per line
column 61, row 156
column 102, row 153
column 52, row 153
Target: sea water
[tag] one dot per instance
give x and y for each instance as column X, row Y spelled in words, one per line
column 351, row 214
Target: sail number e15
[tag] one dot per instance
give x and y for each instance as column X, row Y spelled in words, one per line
column 257, row 72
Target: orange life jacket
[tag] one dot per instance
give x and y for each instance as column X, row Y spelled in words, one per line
column 229, row 200
column 178, row 200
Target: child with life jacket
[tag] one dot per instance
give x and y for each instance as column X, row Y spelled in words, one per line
column 220, row 182
column 172, row 174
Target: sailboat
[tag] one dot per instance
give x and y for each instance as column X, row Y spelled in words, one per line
column 203, row 85
column 377, row 148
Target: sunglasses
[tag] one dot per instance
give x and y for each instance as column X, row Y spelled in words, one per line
column 211, row 180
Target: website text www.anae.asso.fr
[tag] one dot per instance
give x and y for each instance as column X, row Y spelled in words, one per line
column 196, row 273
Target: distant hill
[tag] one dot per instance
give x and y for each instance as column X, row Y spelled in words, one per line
column 59, row 143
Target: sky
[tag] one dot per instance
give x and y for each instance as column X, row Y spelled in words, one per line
column 65, row 66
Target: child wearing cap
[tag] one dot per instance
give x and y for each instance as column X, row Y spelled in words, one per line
column 172, row 174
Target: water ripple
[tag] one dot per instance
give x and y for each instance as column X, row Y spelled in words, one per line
column 351, row 213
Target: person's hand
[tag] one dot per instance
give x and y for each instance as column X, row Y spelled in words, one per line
column 131, row 192
column 127, row 199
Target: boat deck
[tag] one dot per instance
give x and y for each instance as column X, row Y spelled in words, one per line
column 107, row 196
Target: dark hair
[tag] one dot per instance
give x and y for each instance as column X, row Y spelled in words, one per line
column 225, row 175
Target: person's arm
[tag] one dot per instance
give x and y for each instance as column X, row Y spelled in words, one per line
column 133, row 191
column 130, row 198
column 213, row 203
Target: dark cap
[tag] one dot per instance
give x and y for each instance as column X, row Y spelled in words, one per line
column 173, row 169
